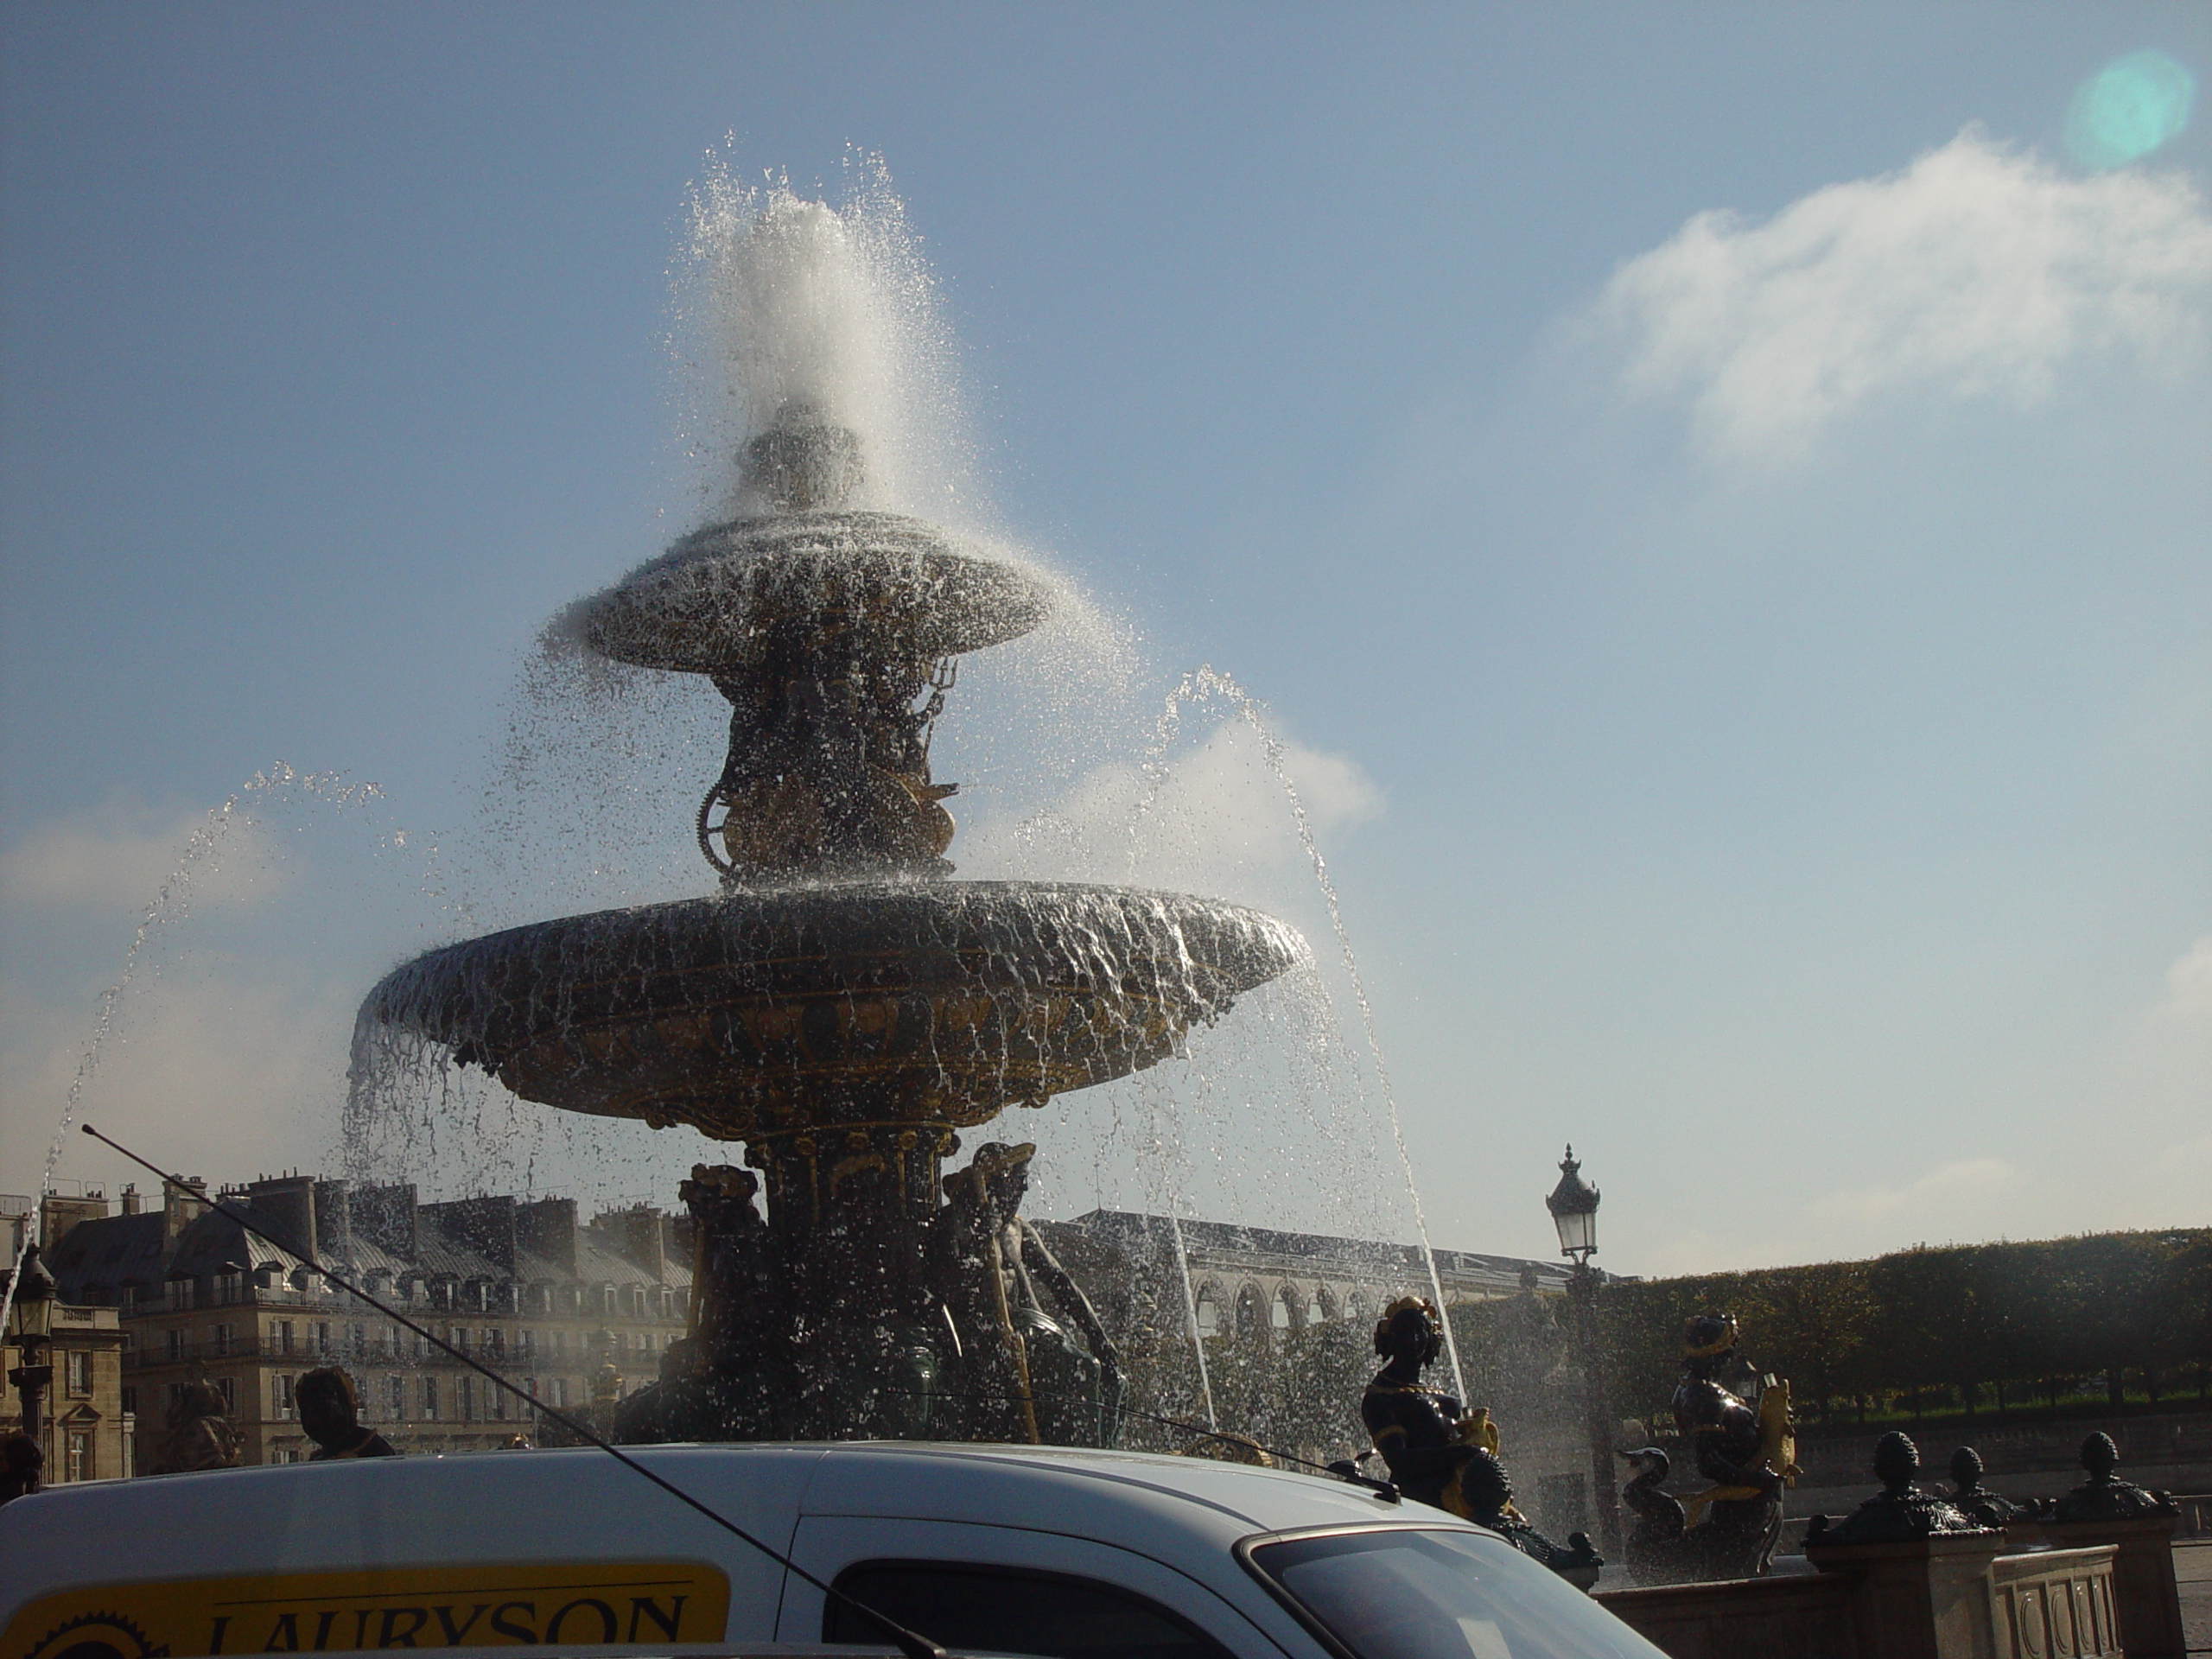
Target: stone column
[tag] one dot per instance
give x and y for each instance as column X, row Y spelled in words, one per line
column 1924, row 1599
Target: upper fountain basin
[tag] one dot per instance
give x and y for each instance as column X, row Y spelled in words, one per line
column 718, row 600
column 783, row 1008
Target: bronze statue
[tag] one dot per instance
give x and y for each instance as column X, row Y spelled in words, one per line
column 711, row 1384
column 1973, row 1499
column 198, row 1434
column 1026, row 1375
column 1654, row 1547
column 2103, row 1496
column 1731, row 1528
column 1422, row 1432
column 1442, row 1456
column 1900, row 1511
column 330, row 1412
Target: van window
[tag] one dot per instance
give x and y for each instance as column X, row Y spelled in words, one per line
column 1003, row 1610
column 1404, row 1594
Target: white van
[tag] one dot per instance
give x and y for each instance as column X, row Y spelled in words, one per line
column 1065, row 1554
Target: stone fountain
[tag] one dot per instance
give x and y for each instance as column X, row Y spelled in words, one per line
column 842, row 1005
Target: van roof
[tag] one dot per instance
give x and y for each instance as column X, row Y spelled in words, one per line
column 539, row 1505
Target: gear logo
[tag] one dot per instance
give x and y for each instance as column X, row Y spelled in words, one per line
column 97, row 1635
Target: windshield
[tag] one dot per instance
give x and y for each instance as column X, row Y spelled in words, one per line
column 1400, row 1594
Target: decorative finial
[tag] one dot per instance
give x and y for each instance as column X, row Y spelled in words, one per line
column 804, row 462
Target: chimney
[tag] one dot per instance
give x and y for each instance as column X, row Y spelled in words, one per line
column 548, row 1228
column 384, row 1216
column 334, row 1219
column 132, row 1203
column 485, row 1225
column 181, row 1205
column 57, row 1215
column 286, row 1205
column 637, row 1233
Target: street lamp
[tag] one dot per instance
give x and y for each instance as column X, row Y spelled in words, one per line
column 33, row 1324
column 1573, row 1205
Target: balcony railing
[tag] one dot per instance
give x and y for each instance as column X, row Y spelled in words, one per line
column 308, row 1354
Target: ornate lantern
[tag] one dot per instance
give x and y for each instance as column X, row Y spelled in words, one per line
column 1573, row 1205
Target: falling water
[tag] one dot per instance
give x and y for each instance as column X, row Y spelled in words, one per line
column 1191, row 1311
column 171, row 903
column 1206, row 683
column 780, row 302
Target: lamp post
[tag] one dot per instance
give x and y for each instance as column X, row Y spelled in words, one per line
column 1573, row 1205
column 33, row 1324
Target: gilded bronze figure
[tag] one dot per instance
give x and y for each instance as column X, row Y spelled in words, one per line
column 198, row 1434
column 1036, row 1363
column 1654, row 1547
column 1415, row 1428
column 1732, row 1527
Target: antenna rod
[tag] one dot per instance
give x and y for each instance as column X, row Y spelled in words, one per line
column 909, row 1643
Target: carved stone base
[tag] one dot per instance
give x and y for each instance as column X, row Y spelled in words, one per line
column 1924, row 1599
column 2143, row 1587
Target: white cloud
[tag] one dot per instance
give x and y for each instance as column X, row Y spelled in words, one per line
column 1967, row 1183
column 120, row 856
column 1968, row 1198
column 1978, row 271
column 1220, row 819
column 2189, row 984
column 223, row 1070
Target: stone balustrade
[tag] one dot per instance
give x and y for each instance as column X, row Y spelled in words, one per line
column 2145, row 1595
column 2056, row 1604
column 1948, row 1596
column 1807, row 1616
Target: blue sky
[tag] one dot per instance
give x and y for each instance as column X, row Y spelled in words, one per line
column 1715, row 496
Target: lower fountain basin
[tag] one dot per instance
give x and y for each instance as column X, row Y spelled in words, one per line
column 760, row 1010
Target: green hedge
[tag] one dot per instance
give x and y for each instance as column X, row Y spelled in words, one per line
column 1986, row 1326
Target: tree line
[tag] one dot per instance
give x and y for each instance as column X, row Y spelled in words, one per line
column 1980, row 1327
column 1985, row 1328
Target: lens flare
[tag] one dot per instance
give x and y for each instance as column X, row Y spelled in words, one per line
column 2128, row 109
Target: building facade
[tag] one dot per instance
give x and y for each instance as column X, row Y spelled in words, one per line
column 85, row 1427
column 536, row 1295
column 181, row 1292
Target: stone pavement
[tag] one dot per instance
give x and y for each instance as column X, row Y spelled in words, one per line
column 2193, row 1574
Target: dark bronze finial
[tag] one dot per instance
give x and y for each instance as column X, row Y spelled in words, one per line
column 1897, row 1461
column 1573, row 1196
column 1973, row 1499
column 1900, row 1511
column 2103, row 1497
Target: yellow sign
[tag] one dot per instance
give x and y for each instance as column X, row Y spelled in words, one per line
column 584, row 1604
